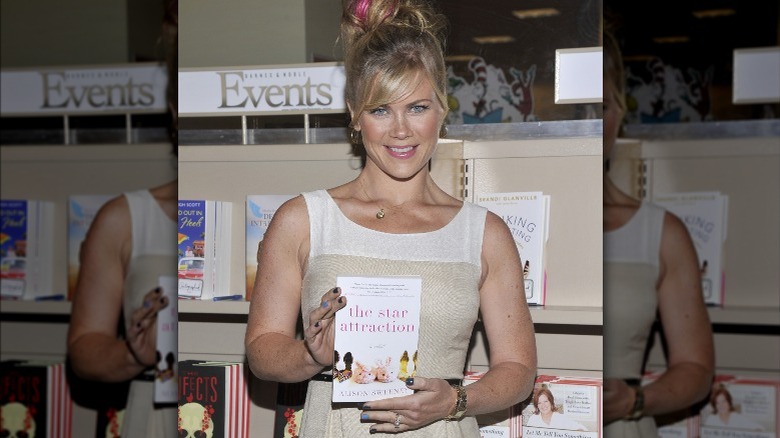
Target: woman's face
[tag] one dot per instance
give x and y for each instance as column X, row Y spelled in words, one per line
column 544, row 405
column 612, row 117
column 722, row 404
column 400, row 137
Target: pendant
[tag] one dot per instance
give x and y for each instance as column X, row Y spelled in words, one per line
column 380, row 214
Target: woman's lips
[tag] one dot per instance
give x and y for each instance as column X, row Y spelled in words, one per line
column 402, row 152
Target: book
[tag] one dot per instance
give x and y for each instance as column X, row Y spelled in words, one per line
column 213, row 399
column 26, row 249
column 376, row 337
column 564, row 406
column 81, row 212
column 742, row 407
column 260, row 210
column 165, row 380
column 704, row 215
column 35, row 399
column 204, row 249
column 527, row 214
column 506, row 423
column 290, row 399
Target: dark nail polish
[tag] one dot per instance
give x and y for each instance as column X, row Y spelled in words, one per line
column 372, row 431
column 364, row 416
column 410, row 381
column 138, row 324
column 360, row 406
column 336, row 290
column 366, row 407
column 341, row 300
column 157, row 290
column 317, row 324
column 325, row 304
column 147, row 304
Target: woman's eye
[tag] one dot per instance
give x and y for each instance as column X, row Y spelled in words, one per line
column 419, row 108
column 378, row 111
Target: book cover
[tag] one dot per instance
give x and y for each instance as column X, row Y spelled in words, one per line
column 527, row 216
column 34, row 399
column 260, row 210
column 204, row 249
column 506, row 423
column 564, row 406
column 213, row 399
column 741, row 407
column 81, row 212
column 165, row 380
column 290, row 398
column 376, row 335
column 705, row 215
column 26, row 248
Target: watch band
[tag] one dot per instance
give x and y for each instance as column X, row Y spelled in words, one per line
column 639, row 405
column 460, row 404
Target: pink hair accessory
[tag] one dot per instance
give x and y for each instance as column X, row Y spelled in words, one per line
column 361, row 9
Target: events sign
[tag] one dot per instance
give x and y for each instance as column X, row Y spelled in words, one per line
column 112, row 89
column 295, row 89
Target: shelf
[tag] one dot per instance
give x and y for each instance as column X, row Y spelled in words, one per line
column 567, row 315
column 745, row 315
column 35, row 307
column 214, row 307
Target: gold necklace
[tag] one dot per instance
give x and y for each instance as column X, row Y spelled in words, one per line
column 381, row 213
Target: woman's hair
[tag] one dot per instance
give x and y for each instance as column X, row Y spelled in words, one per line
column 543, row 392
column 613, row 70
column 387, row 44
column 721, row 390
column 170, row 44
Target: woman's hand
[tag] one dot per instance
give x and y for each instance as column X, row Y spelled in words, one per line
column 433, row 399
column 618, row 400
column 319, row 335
column 142, row 335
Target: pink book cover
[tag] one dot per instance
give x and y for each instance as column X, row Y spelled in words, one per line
column 566, row 407
column 376, row 337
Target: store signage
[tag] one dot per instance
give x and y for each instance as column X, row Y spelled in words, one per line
column 295, row 89
column 116, row 89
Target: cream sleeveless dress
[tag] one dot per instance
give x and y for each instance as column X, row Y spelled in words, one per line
column 631, row 261
column 154, row 255
column 449, row 262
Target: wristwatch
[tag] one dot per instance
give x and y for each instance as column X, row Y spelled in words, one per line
column 639, row 405
column 460, row 404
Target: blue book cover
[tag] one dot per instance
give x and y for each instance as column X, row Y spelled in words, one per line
column 191, row 247
column 13, row 247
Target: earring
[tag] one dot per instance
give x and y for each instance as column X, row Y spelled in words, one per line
column 354, row 136
column 443, row 131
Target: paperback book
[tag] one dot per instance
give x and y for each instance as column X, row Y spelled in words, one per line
column 213, row 399
column 35, row 399
column 26, row 249
column 165, row 377
column 204, row 249
column 290, row 399
column 81, row 212
column 742, row 407
column 506, row 423
column 376, row 337
column 564, row 406
column 260, row 210
column 705, row 215
column 527, row 214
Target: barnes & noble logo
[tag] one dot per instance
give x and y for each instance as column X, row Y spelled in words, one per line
column 59, row 92
column 237, row 92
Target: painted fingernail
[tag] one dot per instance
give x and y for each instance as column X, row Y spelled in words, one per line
column 336, row 290
column 325, row 304
column 147, row 304
column 341, row 300
column 366, row 407
column 163, row 298
column 360, row 406
column 372, row 431
column 138, row 324
column 364, row 416
column 410, row 381
column 317, row 324
column 157, row 290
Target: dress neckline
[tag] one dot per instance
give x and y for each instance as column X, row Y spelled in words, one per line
column 355, row 224
column 634, row 217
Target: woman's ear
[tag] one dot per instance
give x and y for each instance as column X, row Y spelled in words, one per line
column 353, row 121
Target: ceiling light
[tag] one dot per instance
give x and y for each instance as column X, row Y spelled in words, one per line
column 459, row 58
column 536, row 13
column 494, row 39
column 713, row 13
column 672, row 39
